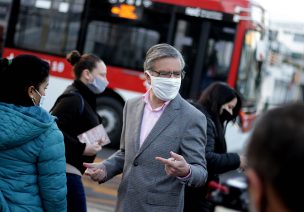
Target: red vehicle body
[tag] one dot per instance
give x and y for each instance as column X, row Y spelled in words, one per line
column 218, row 39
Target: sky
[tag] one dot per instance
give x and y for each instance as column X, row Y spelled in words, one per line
column 284, row 10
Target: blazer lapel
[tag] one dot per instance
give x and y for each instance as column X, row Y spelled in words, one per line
column 137, row 116
column 166, row 118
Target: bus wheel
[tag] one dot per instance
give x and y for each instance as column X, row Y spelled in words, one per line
column 111, row 111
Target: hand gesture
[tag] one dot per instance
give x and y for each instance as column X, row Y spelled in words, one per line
column 176, row 165
column 96, row 171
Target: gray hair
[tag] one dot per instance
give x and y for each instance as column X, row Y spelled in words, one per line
column 160, row 51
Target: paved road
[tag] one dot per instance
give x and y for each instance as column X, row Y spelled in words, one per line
column 101, row 197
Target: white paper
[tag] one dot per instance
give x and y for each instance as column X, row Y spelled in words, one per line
column 95, row 135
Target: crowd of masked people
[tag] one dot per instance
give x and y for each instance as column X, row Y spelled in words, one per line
column 170, row 148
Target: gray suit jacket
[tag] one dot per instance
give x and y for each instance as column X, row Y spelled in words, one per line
column 145, row 186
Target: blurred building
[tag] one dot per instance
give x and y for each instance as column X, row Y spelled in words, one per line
column 287, row 42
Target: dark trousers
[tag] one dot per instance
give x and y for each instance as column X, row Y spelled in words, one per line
column 195, row 200
column 76, row 199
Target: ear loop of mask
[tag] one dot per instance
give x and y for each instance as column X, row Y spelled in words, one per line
column 33, row 100
column 147, row 72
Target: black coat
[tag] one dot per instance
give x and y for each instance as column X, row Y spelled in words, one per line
column 76, row 113
column 218, row 162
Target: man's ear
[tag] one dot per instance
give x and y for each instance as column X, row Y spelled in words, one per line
column 255, row 187
column 148, row 78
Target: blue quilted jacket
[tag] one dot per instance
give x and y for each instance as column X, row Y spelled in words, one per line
column 32, row 161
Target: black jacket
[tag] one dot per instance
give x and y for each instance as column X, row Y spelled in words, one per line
column 76, row 113
column 218, row 162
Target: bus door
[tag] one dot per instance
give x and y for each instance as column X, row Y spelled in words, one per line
column 190, row 38
column 207, row 47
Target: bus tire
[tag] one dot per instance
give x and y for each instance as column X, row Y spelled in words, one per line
column 111, row 111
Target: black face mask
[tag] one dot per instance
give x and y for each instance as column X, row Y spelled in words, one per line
column 226, row 116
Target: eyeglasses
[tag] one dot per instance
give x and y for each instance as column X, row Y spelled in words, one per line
column 166, row 74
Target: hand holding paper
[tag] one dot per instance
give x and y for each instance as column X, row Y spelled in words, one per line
column 96, row 135
column 91, row 149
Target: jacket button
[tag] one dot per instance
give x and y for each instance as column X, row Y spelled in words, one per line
column 135, row 163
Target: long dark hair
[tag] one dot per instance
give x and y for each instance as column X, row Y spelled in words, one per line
column 18, row 74
column 212, row 99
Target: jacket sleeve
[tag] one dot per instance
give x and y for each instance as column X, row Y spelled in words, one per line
column 114, row 165
column 52, row 172
column 218, row 163
column 3, row 206
column 193, row 149
column 66, row 109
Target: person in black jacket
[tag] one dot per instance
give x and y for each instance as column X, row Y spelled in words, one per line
column 220, row 104
column 76, row 113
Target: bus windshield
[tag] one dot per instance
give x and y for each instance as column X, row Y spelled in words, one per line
column 249, row 68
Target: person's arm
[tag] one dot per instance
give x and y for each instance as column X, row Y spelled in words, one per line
column 67, row 108
column 193, row 149
column 52, row 172
column 218, row 163
column 104, row 171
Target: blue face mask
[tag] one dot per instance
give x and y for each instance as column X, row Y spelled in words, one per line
column 42, row 99
column 98, row 86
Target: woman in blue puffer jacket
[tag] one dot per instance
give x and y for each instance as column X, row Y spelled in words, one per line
column 32, row 161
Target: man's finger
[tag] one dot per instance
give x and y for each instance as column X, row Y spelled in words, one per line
column 89, row 171
column 90, row 165
column 165, row 161
column 176, row 156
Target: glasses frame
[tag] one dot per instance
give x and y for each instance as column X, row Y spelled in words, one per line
column 159, row 74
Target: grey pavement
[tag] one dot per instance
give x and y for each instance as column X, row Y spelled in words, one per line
column 92, row 207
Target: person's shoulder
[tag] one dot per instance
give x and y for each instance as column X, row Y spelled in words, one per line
column 53, row 134
column 73, row 98
column 188, row 105
column 134, row 100
column 191, row 109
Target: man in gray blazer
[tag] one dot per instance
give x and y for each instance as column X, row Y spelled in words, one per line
column 162, row 143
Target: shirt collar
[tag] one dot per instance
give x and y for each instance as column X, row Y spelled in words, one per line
column 147, row 101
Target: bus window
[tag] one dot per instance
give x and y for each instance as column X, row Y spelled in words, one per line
column 218, row 55
column 119, row 44
column 48, row 26
column 4, row 8
column 248, row 68
column 207, row 49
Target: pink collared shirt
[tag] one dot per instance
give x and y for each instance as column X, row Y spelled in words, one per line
column 150, row 117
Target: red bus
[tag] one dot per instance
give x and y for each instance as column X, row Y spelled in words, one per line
column 218, row 39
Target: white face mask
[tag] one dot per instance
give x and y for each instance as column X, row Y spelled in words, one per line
column 42, row 99
column 98, row 86
column 165, row 88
